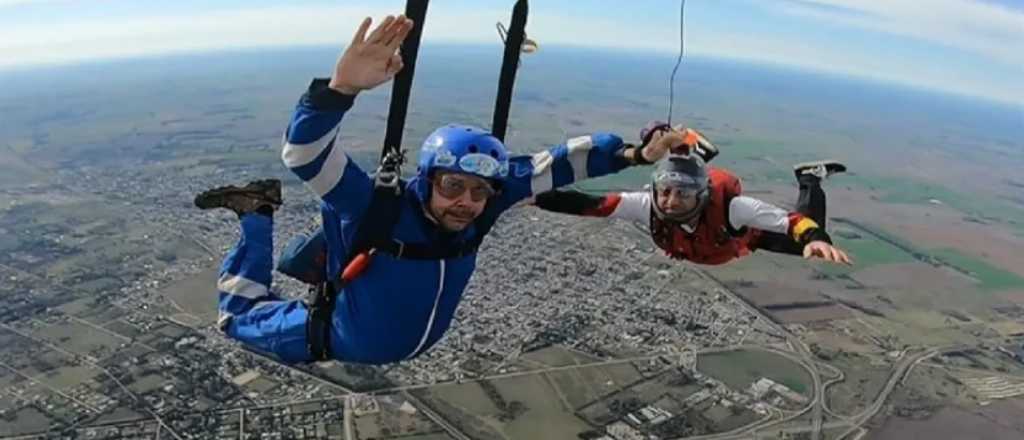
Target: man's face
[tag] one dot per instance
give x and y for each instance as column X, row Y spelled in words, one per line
column 673, row 201
column 458, row 199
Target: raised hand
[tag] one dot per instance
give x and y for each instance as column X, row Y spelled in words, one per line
column 371, row 60
column 663, row 141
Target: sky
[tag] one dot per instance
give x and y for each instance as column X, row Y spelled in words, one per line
column 968, row 47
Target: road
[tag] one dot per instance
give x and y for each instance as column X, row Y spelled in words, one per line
column 350, row 433
column 899, row 373
column 767, row 427
column 91, row 362
column 801, row 354
column 855, row 423
column 452, row 430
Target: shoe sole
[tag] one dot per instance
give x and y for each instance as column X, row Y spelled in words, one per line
column 831, row 165
column 217, row 197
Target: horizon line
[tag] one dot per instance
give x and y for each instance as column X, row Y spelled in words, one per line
column 835, row 74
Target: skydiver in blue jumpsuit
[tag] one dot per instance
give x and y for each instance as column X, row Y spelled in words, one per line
column 397, row 308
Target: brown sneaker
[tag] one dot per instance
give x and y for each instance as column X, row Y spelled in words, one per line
column 244, row 199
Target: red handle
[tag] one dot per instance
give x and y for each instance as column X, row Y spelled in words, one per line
column 356, row 267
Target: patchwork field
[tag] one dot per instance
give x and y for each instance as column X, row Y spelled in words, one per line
column 741, row 368
column 864, row 379
column 196, row 295
column 1000, row 421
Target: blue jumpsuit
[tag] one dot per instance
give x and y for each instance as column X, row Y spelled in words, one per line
column 398, row 308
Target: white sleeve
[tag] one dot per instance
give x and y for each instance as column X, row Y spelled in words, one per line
column 633, row 206
column 757, row 214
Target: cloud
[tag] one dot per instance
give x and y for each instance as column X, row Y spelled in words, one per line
column 881, row 66
column 979, row 28
column 30, row 44
column 991, row 30
column 13, row 3
column 832, row 55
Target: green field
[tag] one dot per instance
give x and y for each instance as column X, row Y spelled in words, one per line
column 622, row 374
column 7, row 403
column 102, row 315
column 26, row 420
column 68, row 377
column 76, row 307
column 118, row 413
column 741, row 368
column 868, row 250
column 469, row 397
column 735, row 421
column 164, row 336
column 862, row 383
column 544, row 417
column 906, row 191
column 261, row 385
column 577, row 391
column 445, row 401
column 991, row 277
column 556, row 356
column 437, row 436
column 8, row 378
column 390, row 423
column 632, row 178
column 580, row 386
column 601, row 380
column 123, row 328
column 666, row 390
column 196, row 295
column 359, row 378
column 80, row 338
column 40, row 360
column 542, row 411
column 147, row 383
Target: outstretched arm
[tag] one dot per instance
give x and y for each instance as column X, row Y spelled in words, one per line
column 632, row 206
column 578, row 159
column 803, row 235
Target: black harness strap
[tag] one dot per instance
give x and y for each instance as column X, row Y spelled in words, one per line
column 509, row 65
column 385, row 204
column 415, row 251
column 375, row 229
column 416, row 10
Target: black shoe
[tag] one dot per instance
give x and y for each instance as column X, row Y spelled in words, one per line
column 704, row 148
column 246, row 199
column 821, row 169
column 695, row 139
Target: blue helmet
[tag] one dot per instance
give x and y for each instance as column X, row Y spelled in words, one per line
column 464, row 149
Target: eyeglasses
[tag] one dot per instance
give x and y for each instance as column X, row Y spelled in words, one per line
column 451, row 186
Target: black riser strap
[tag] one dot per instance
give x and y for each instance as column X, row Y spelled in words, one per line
column 416, row 10
column 509, row 64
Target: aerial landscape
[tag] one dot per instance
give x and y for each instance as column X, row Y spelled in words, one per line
column 571, row 328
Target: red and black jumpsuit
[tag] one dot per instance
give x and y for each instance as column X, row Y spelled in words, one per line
column 731, row 226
